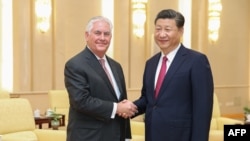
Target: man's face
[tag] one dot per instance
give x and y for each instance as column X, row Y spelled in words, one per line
column 99, row 37
column 167, row 35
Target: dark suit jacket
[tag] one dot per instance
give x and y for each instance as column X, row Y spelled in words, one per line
column 91, row 98
column 183, row 109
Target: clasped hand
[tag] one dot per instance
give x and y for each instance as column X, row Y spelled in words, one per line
column 126, row 109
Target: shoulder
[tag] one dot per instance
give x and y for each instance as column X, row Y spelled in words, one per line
column 112, row 61
column 154, row 58
column 198, row 58
column 80, row 57
column 190, row 52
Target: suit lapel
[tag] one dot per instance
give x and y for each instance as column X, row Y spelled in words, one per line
column 153, row 68
column 116, row 75
column 179, row 59
column 95, row 64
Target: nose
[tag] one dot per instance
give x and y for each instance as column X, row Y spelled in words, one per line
column 102, row 37
column 162, row 33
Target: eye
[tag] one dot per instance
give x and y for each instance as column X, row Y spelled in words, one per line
column 157, row 29
column 168, row 30
column 97, row 33
column 106, row 33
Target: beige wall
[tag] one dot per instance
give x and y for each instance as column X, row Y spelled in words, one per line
column 229, row 56
column 39, row 58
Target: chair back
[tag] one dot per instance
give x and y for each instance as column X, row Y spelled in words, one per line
column 16, row 115
column 59, row 100
column 216, row 113
column 4, row 94
column 216, row 107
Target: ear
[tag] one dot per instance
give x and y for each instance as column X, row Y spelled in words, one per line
column 181, row 30
column 86, row 35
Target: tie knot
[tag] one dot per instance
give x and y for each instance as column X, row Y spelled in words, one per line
column 102, row 61
column 164, row 59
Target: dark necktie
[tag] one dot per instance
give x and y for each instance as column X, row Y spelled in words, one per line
column 161, row 76
column 102, row 61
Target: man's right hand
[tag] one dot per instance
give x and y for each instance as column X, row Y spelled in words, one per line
column 126, row 109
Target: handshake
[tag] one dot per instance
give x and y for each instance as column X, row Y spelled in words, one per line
column 126, row 109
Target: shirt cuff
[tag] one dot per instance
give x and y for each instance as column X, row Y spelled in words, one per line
column 114, row 110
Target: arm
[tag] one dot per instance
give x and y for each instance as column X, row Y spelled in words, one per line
column 86, row 93
column 202, row 97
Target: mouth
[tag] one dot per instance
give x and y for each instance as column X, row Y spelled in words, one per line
column 101, row 44
column 163, row 41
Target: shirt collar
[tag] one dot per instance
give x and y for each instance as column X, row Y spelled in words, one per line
column 98, row 58
column 171, row 54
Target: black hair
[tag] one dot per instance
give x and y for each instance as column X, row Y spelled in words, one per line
column 171, row 14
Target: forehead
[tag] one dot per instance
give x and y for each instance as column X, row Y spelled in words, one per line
column 101, row 26
column 165, row 23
